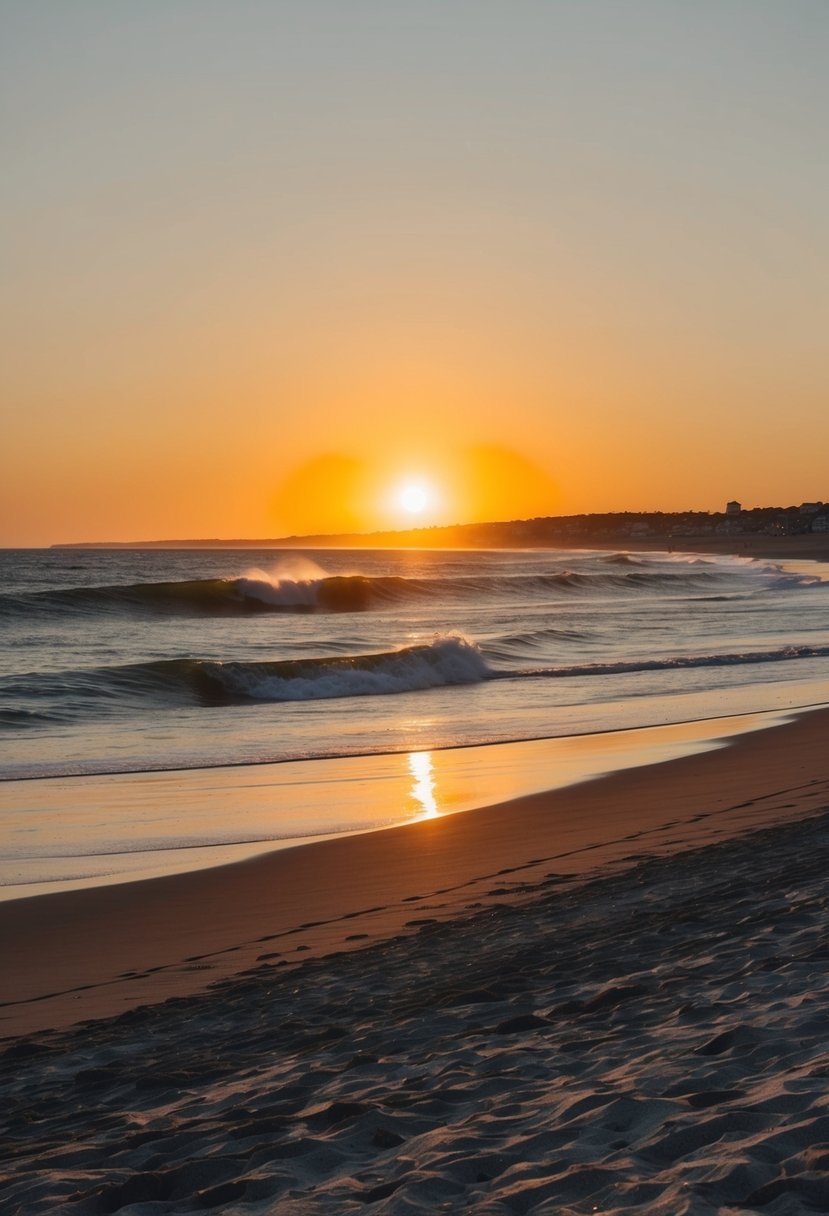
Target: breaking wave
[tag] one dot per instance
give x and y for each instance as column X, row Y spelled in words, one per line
column 446, row 661
column 166, row 683
column 258, row 592
column 449, row 660
column 220, row 597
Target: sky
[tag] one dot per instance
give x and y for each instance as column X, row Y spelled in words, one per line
column 285, row 266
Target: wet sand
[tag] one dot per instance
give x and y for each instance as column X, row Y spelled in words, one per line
column 72, row 956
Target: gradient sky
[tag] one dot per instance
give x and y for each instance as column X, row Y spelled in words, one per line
column 266, row 259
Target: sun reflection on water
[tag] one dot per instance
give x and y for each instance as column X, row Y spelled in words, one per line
column 423, row 784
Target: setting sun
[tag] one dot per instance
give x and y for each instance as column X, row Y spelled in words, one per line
column 414, row 497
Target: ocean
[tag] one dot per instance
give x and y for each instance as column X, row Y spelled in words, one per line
column 133, row 679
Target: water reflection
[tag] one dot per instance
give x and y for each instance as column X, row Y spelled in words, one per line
column 423, row 784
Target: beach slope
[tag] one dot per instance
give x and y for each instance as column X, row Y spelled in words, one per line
column 72, row 956
column 636, row 1022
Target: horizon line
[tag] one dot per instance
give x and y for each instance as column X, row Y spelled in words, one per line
column 337, row 539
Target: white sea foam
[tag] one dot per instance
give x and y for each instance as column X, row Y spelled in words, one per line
column 293, row 581
column 286, row 593
column 447, row 660
column 290, row 568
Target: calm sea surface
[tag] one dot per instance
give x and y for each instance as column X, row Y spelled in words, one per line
column 141, row 662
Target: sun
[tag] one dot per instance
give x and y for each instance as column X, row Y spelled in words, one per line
column 413, row 500
column 414, row 497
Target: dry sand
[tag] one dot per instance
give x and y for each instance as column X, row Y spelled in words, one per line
column 611, row 997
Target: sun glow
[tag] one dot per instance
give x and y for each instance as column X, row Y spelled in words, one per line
column 414, row 497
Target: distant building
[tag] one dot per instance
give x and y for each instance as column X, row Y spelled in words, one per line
column 733, row 508
column 809, row 508
column 820, row 523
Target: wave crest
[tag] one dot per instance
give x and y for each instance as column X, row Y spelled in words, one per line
column 305, row 587
column 168, row 683
column 445, row 661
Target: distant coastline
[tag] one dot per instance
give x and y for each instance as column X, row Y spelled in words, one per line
column 762, row 531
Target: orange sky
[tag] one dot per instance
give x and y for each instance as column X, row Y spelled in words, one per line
column 267, row 263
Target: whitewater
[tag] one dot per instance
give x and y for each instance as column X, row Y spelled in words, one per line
column 155, row 661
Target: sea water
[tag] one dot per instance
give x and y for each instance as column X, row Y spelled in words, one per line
column 153, row 662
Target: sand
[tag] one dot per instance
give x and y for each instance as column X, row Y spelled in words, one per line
column 610, row 997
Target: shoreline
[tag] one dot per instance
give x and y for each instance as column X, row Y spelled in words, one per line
column 178, row 817
column 176, row 770
column 95, row 953
column 651, row 1039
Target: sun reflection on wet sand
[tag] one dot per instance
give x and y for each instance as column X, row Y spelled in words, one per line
column 423, row 784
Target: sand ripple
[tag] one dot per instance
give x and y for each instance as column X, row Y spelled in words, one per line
column 653, row 1041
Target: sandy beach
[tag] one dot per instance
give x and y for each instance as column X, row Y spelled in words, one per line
column 607, row 997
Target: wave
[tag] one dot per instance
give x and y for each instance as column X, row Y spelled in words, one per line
column 623, row 559
column 167, row 683
column 527, row 645
column 257, row 592
column 681, row 662
column 216, row 597
column 446, row 661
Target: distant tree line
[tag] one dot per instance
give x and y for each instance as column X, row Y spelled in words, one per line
column 541, row 532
